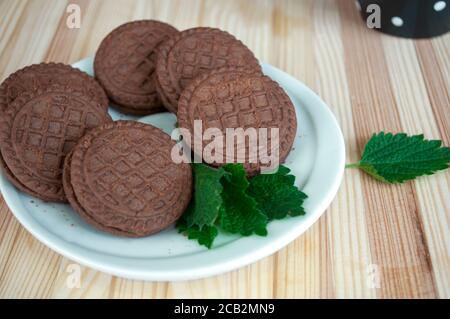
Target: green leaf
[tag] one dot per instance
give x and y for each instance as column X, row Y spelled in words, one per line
column 276, row 195
column 204, row 209
column 205, row 236
column 395, row 158
column 239, row 212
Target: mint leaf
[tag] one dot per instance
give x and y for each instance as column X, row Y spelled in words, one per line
column 204, row 208
column 239, row 212
column 204, row 236
column 395, row 158
column 276, row 195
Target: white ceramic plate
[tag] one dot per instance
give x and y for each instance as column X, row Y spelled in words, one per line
column 317, row 160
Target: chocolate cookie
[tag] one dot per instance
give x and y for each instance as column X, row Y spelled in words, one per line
column 236, row 98
column 44, row 75
column 37, row 130
column 194, row 52
column 125, row 62
column 121, row 179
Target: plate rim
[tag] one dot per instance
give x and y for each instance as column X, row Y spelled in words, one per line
column 64, row 248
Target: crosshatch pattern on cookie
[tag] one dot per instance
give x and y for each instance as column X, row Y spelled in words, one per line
column 40, row 129
column 194, row 52
column 125, row 63
column 206, row 51
column 134, row 170
column 47, row 128
column 238, row 103
column 133, row 72
column 126, row 178
column 256, row 108
column 237, row 98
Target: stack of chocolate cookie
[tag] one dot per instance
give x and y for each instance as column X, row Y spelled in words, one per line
column 195, row 52
column 199, row 74
column 239, row 98
column 125, row 62
column 45, row 109
column 121, row 179
column 58, row 142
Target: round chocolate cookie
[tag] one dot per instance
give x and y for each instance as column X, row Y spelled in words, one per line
column 192, row 53
column 125, row 62
column 121, row 179
column 45, row 75
column 37, row 130
column 234, row 98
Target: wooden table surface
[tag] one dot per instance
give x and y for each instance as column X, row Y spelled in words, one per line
column 374, row 241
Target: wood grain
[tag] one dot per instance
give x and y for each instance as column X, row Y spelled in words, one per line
column 371, row 82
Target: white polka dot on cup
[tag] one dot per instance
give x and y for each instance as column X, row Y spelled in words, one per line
column 439, row 6
column 397, row 21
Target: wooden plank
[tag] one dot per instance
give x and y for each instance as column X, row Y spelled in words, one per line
column 348, row 240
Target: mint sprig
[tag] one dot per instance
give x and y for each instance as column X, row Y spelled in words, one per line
column 225, row 199
column 396, row 158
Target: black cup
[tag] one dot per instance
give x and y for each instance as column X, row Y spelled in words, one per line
column 410, row 18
